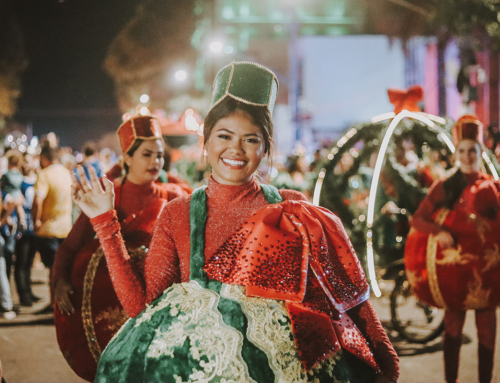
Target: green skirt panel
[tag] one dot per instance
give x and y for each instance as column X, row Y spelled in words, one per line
column 195, row 334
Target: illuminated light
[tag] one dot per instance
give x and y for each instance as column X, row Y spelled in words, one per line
column 399, row 238
column 278, row 28
column 191, row 123
column 10, row 138
column 447, row 141
column 330, row 156
column 34, row 142
column 274, row 172
column 144, row 98
column 24, row 138
column 126, row 116
column 19, row 141
column 22, row 148
column 335, row 150
column 189, row 112
column 373, row 188
column 317, row 188
column 382, row 117
column 181, row 75
column 490, row 165
column 353, row 152
column 362, row 218
column 229, row 49
column 13, row 145
column 79, row 157
column 355, row 184
column 432, row 117
column 144, row 111
column 216, row 46
column 403, row 211
column 371, row 270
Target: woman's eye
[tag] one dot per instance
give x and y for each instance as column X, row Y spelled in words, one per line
column 224, row 136
column 253, row 140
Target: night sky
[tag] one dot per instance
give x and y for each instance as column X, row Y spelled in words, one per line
column 65, row 88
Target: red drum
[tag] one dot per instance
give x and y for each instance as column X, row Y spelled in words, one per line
column 468, row 275
column 98, row 314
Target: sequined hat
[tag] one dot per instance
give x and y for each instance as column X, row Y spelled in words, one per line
column 143, row 127
column 247, row 82
column 468, row 127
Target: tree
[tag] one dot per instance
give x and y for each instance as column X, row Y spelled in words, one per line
column 147, row 49
column 13, row 60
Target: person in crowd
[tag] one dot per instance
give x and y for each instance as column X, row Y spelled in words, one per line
column 11, row 183
column 91, row 158
column 51, row 209
column 139, row 201
column 25, row 246
column 107, row 158
column 464, row 278
column 228, row 278
column 6, row 225
column 68, row 160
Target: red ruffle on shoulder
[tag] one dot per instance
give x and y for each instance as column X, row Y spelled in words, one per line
column 283, row 251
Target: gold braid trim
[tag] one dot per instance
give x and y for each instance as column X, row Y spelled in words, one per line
column 88, row 284
column 88, row 324
column 431, row 262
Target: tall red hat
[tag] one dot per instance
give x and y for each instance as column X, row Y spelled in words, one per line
column 143, row 127
column 468, row 127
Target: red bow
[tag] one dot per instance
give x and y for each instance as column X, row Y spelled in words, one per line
column 406, row 99
column 300, row 253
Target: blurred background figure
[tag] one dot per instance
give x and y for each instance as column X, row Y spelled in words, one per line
column 91, row 158
column 25, row 246
column 51, row 210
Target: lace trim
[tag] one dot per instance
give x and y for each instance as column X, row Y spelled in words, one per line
column 269, row 329
column 210, row 338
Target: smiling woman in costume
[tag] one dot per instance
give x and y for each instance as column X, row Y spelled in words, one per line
column 451, row 254
column 88, row 311
column 242, row 282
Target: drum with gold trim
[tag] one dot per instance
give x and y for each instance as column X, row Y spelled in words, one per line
column 464, row 277
column 98, row 314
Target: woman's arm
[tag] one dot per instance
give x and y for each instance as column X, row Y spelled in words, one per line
column 161, row 267
column 422, row 219
column 366, row 320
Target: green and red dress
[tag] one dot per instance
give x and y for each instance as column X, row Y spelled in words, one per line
column 240, row 286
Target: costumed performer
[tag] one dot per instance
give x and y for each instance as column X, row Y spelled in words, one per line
column 88, row 311
column 242, row 283
column 452, row 256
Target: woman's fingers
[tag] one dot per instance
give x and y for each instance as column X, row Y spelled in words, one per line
column 96, row 184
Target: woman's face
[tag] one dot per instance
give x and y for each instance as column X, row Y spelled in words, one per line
column 145, row 164
column 235, row 149
column 469, row 155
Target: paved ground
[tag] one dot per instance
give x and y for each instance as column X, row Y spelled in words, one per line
column 30, row 354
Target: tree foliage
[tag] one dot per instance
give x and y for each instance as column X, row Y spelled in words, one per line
column 156, row 39
column 13, row 60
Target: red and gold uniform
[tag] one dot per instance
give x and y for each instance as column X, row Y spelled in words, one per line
column 98, row 313
column 466, row 275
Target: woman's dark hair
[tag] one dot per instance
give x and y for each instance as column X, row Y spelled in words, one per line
column 453, row 188
column 135, row 146
column 259, row 115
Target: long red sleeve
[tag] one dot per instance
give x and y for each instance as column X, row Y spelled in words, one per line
column 80, row 235
column 422, row 219
column 366, row 319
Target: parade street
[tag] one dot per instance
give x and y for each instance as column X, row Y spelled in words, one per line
column 30, row 353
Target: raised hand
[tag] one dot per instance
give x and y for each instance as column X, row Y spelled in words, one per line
column 89, row 195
